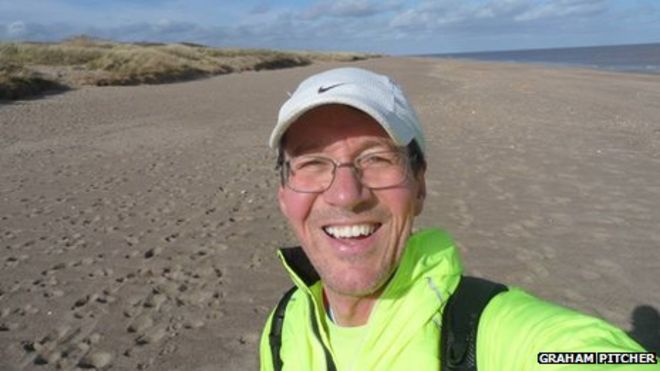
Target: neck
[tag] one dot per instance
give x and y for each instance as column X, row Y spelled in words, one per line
column 350, row 311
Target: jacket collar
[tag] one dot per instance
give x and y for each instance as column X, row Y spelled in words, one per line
column 410, row 304
column 296, row 260
column 427, row 252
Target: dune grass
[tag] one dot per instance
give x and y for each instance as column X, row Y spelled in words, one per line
column 17, row 82
column 28, row 69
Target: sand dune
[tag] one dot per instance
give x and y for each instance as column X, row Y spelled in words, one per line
column 138, row 225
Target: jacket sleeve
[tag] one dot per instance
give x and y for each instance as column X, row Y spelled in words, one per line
column 515, row 327
column 265, row 356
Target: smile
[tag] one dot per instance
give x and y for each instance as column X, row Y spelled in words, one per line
column 351, row 231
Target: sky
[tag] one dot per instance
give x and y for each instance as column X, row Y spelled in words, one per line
column 387, row 26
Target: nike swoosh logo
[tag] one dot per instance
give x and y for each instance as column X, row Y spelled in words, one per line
column 323, row 89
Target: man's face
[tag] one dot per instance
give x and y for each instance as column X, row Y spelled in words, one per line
column 356, row 266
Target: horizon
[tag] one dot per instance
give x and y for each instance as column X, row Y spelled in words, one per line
column 137, row 42
column 542, row 49
column 393, row 27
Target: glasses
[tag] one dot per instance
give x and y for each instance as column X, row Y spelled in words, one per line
column 375, row 170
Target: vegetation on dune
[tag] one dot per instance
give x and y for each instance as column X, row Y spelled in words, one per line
column 28, row 69
column 17, row 82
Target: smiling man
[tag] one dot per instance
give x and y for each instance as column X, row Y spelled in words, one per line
column 369, row 294
column 351, row 198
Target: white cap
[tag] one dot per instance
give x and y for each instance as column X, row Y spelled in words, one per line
column 377, row 95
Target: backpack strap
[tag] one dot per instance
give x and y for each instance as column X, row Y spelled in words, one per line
column 460, row 320
column 275, row 335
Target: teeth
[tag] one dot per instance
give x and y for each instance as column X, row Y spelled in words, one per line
column 351, row 231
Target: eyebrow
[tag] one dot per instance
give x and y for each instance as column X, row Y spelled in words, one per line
column 368, row 144
column 304, row 147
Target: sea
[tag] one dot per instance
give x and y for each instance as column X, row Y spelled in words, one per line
column 638, row 58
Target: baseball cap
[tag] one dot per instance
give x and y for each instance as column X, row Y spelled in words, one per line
column 377, row 95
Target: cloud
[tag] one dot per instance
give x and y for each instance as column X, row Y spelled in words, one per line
column 16, row 29
column 501, row 9
column 20, row 30
column 260, row 8
column 563, row 8
column 162, row 30
column 432, row 16
column 347, row 8
column 366, row 25
column 168, row 26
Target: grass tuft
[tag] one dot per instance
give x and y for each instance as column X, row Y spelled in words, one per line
column 17, row 82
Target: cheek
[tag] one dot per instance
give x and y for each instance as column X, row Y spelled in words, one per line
column 410, row 201
column 295, row 206
column 403, row 204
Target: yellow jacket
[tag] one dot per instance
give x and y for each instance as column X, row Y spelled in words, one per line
column 404, row 324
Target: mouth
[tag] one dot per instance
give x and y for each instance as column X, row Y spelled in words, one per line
column 351, row 232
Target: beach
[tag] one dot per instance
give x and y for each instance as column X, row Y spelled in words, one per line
column 139, row 225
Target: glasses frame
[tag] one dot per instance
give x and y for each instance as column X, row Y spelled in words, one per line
column 285, row 169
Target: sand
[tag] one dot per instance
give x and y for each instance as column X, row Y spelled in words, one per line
column 138, row 225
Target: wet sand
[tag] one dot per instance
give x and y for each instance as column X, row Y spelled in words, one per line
column 138, row 225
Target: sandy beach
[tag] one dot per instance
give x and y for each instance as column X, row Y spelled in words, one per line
column 138, row 225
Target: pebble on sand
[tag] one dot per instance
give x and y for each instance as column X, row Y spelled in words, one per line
column 96, row 360
column 155, row 301
column 153, row 252
column 141, row 323
column 152, row 335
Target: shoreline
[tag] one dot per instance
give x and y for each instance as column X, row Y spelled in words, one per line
column 654, row 71
column 600, row 57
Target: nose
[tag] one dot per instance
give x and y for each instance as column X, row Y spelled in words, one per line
column 346, row 190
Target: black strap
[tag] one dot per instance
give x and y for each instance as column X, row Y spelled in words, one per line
column 275, row 335
column 460, row 320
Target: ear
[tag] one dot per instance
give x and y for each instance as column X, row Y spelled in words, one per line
column 280, row 199
column 421, row 191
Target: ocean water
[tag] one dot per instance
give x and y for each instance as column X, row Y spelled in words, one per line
column 641, row 58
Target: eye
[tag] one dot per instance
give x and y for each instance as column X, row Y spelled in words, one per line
column 379, row 159
column 309, row 164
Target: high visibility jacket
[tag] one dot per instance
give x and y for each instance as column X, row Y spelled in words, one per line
column 403, row 326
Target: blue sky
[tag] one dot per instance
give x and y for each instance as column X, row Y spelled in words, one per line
column 386, row 26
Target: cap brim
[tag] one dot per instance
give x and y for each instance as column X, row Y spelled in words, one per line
column 292, row 116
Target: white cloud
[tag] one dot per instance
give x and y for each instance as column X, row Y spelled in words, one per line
column 16, row 29
column 348, row 8
column 563, row 8
column 20, row 30
column 368, row 25
column 260, row 8
column 486, row 16
column 502, row 8
column 427, row 15
column 169, row 26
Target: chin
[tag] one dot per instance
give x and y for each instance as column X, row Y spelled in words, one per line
column 357, row 283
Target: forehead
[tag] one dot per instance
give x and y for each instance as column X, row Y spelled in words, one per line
column 326, row 125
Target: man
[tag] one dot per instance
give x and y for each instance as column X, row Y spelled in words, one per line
column 370, row 295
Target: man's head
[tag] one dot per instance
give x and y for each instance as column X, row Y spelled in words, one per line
column 351, row 154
